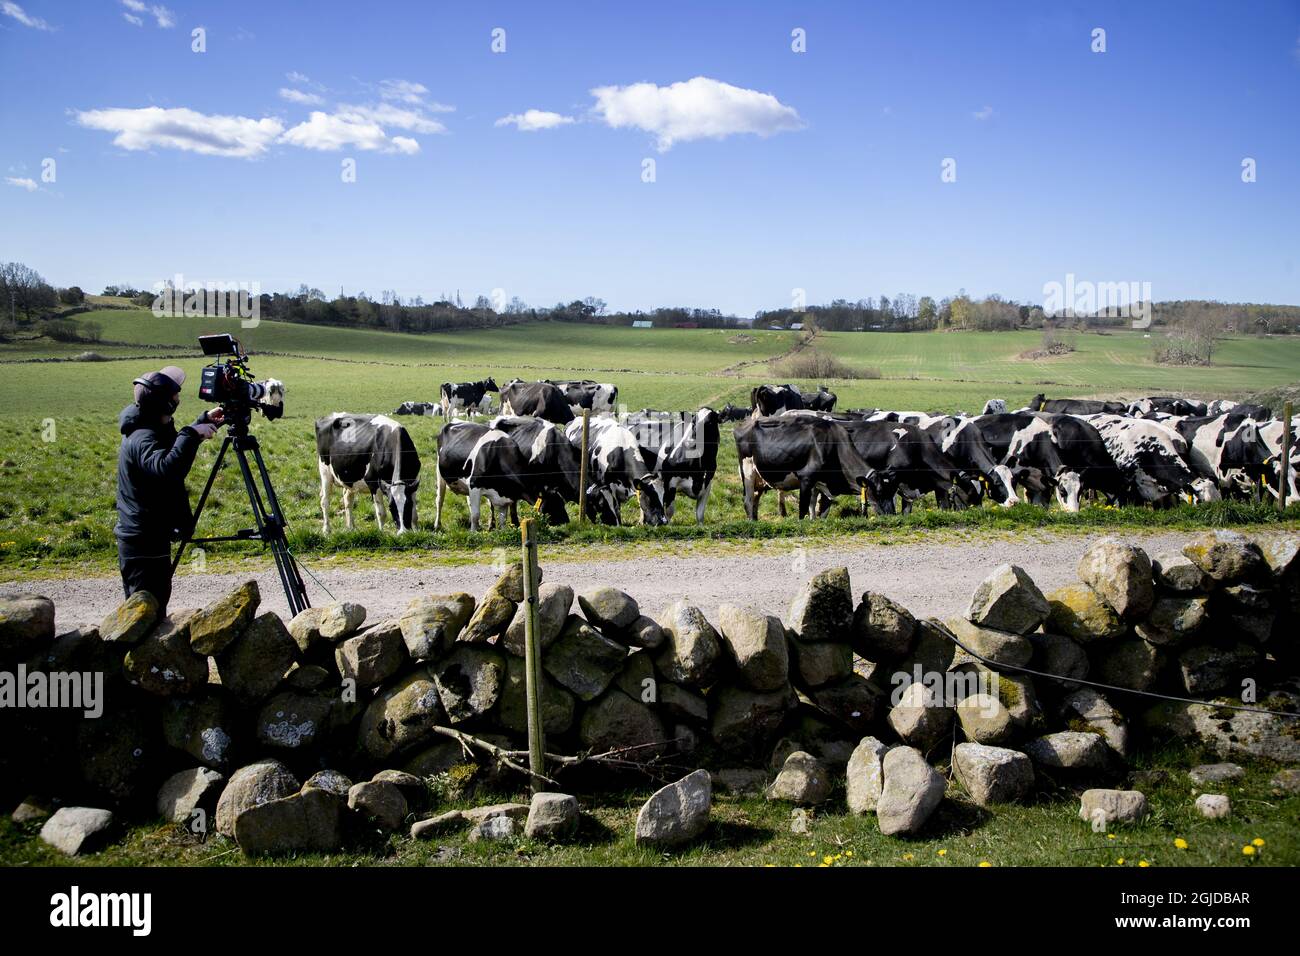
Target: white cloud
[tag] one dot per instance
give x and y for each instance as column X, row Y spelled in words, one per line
column 137, row 5
column 386, row 114
column 164, row 17
column 333, row 131
column 10, row 9
column 298, row 96
column 530, row 121
column 185, row 129
column 132, row 18
column 161, row 15
column 983, row 114
column 699, row 108
column 405, row 91
column 22, row 182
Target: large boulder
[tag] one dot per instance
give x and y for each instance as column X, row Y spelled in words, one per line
column 617, row 722
column 822, row 610
column 331, row 781
column 1104, row 807
column 1059, row 655
column 1069, row 750
column 583, row 660
column 431, row 623
column 692, row 649
column 1000, row 647
column 252, row 786
column 865, row 776
column 189, row 790
column 557, row 704
column 203, row 727
column 854, row 702
column 984, row 720
column 992, row 774
column 292, row 720
column 256, row 661
column 469, row 681
column 803, row 780
column 922, row 717
column 757, row 645
column 1085, row 709
column 340, row 620
column 882, row 629
column 77, row 830
column 401, row 715
column 372, row 656
column 306, row 822
column 1175, row 571
column 215, row 626
column 1173, row 619
column 676, row 814
column 305, row 629
column 1080, row 613
column 1008, row 600
column 163, row 663
column 1121, row 574
column 818, row 663
column 744, row 719
column 553, row 604
column 552, row 816
column 1226, row 556
column 911, row 793
column 131, row 620
column 1209, row 669
column 609, row 609
column 1131, row 663
column 644, row 632
column 380, row 802
column 490, row 619
column 26, row 620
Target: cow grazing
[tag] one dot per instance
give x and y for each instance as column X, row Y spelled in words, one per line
column 471, row 397
column 965, row 445
column 809, row 452
column 733, row 413
column 518, row 461
column 906, row 461
column 774, row 399
column 429, row 409
column 1153, row 459
column 1228, row 449
column 371, row 454
column 1075, row 406
column 686, row 459
column 600, row 397
column 618, row 467
column 538, row 399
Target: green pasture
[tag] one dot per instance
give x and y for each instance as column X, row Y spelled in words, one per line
column 58, row 419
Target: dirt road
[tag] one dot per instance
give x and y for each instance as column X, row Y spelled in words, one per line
column 929, row 578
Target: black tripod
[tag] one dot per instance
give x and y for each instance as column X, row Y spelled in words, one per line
column 270, row 522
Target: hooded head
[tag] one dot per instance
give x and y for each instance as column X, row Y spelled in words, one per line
column 160, row 392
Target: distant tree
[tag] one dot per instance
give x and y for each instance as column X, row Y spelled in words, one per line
column 72, row 295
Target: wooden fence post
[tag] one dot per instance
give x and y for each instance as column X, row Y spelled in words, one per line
column 1285, row 464
column 582, row 466
column 532, row 658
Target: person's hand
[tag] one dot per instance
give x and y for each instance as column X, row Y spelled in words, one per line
column 204, row 430
column 216, row 415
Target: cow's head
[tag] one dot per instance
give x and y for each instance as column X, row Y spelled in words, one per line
column 490, row 385
column 272, row 404
column 1031, row 483
column 879, row 488
column 1001, row 486
column 1274, row 478
column 967, row 491
column 1068, row 487
column 550, row 505
column 401, row 503
column 602, row 506
column 650, row 496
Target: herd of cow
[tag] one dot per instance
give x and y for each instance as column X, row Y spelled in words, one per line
column 1155, row 451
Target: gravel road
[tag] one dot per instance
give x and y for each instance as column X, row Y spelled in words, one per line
column 928, row 578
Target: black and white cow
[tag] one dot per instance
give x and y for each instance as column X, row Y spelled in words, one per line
column 429, row 409
column 618, row 468
column 371, row 454
column 995, row 406
column 686, row 457
column 1075, row 406
column 822, row 400
column 1153, row 459
column 906, row 461
column 965, row 445
column 469, row 397
column 538, row 399
column 812, row 453
column 1069, row 452
column 1229, row 449
column 508, row 464
column 600, row 397
column 774, row 399
column 1165, row 405
column 733, row 413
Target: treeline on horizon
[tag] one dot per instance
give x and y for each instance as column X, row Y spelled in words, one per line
column 26, row 291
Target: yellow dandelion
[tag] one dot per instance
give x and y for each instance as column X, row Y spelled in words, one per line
column 942, row 852
column 1120, row 861
column 1143, row 863
column 1180, row 843
column 828, row 860
column 822, row 866
column 1110, row 836
column 812, row 852
column 1248, row 850
column 848, row 852
column 1258, row 841
column 985, row 863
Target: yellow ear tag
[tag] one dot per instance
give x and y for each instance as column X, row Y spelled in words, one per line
column 537, row 505
column 863, row 490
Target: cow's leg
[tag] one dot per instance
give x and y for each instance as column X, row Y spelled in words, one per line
column 475, row 502
column 326, row 483
column 702, row 502
column 514, row 513
column 753, row 489
column 670, row 504
column 780, row 502
column 806, row 495
column 441, row 489
column 348, row 494
column 377, row 497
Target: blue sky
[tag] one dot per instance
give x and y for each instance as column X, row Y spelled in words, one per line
column 822, row 171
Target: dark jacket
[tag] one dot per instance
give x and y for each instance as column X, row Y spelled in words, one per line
column 153, row 507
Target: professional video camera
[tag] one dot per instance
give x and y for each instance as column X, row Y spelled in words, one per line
column 230, row 383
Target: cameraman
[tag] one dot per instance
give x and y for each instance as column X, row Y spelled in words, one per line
column 153, row 507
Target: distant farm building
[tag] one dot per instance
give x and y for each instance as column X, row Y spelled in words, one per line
column 796, row 326
column 686, row 325
column 643, row 324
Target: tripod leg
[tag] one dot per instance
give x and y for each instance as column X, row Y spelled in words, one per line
column 203, row 500
column 270, row 522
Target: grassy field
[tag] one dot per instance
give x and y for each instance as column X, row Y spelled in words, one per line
column 750, row 831
column 58, row 435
